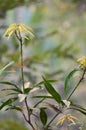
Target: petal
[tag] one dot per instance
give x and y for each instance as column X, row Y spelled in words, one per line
column 21, row 97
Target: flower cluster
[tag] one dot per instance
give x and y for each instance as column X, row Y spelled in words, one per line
column 67, row 117
column 82, row 62
column 19, row 29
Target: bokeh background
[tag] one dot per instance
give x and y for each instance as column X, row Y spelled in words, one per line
column 60, row 38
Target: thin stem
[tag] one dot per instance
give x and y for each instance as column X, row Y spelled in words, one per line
column 53, row 119
column 28, row 121
column 28, row 110
column 19, row 37
column 81, row 79
column 22, row 71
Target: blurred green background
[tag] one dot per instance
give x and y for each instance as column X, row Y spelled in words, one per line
column 60, row 38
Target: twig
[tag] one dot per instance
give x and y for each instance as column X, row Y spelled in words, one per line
column 81, row 79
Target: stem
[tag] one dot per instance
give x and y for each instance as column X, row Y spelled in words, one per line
column 28, row 110
column 81, row 79
column 22, row 71
column 53, row 119
column 28, row 121
column 68, row 127
column 19, row 37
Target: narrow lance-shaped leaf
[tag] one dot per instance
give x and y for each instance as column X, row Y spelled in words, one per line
column 43, row 96
column 12, row 84
column 8, row 102
column 43, row 116
column 39, row 102
column 52, row 91
column 78, row 106
column 42, row 82
column 18, row 108
column 79, row 109
column 66, row 87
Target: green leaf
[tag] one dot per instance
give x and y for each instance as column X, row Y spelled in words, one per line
column 18, row 108
column 8, row 65
column 52, row 91
column 8, row 102
column 43, row 116
column 66, row 87
column 78, row 106
column 39, row 102
column 27, row 90
column 79, row 109
column 42, row 82
column 17, row 89
column 55, row 108
column 43, row 96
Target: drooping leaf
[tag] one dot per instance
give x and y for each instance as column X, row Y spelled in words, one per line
column 52, row 91
column 43, row 116
column 67, row 80
column 12, row 84
column 8, row 102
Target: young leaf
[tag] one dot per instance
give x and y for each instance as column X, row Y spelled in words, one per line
column 66, row 87
column 52, row 91
column 43, row 116
column 8, row 102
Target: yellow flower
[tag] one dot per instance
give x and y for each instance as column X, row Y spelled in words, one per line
column 82, row 62
column 67, row 117
column 20, row 30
